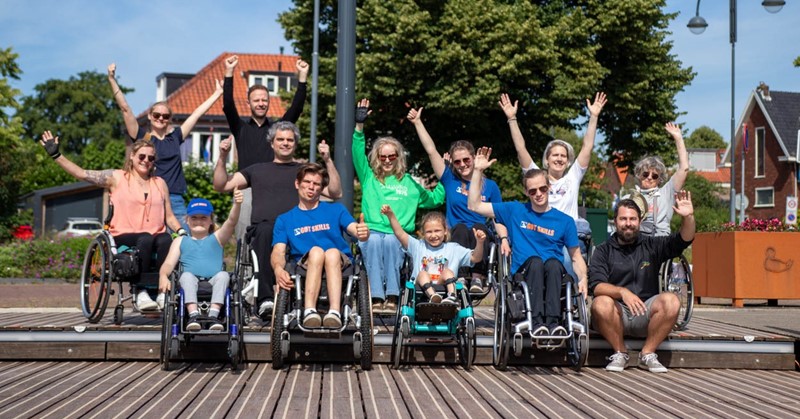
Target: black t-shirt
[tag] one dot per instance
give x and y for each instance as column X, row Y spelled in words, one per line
column 273, row 189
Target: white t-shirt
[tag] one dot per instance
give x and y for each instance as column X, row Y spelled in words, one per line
column 564, row 192
column 434, row 259
column 659, row 203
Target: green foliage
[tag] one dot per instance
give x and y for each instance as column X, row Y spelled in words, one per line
column 199, row 184
column 43, row 258
column 103, row 155
column 797, row 62
column 11, row 169
column 705, row 137
column 710, row 212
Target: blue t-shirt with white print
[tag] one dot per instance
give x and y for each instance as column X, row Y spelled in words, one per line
column 456, row 191
column 323, row 226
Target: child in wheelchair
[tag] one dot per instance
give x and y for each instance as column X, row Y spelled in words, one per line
column 201, row 258
column 434, row 260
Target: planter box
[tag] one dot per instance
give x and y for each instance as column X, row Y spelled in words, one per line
column 746, row 265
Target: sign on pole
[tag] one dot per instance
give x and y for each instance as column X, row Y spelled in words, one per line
column 791, row 210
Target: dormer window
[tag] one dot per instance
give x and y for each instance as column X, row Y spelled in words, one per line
column 270, row 82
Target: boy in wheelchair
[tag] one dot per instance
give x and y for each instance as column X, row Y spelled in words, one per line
column 434, row 260
column 313, row 233
column 201, row 258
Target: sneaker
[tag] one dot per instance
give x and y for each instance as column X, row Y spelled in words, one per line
column 332, row 321
column 312, row 320
column 265, row 309
column 160, row 300
column 451, row 299
column 541, row 330
column 558, row 331
column 193, row 325
column 216, row 325
column 619, row 360
column 650, row 362
column 462, row 281
column 144, row 302
column 476, row 286
column 390, row 305
column 435, row 298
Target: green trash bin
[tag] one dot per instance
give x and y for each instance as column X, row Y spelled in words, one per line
column 598, row 221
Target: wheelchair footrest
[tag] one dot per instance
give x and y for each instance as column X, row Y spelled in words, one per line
column 322, row 333
column 436, row 313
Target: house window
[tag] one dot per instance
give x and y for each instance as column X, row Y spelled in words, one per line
column 760, row 153
column 765, row 197
column 271, row 82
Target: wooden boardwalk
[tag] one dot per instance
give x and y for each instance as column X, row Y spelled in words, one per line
column 203, row 390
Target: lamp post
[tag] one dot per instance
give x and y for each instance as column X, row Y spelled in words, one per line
column 697, row 25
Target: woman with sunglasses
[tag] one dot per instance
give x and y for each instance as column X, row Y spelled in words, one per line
column 384, row 181
column 456, row 179
column 651, row 181
column 142, row 208
column 167, row 140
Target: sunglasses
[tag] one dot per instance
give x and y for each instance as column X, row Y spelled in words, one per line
column 388, row 157
column 465, row 161
column 159, row 115
column 651, row 175
column 151, row 158
column 542, row 189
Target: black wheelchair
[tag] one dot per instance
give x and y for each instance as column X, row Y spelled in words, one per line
column 513, row 320
column 104, row 264
column 675, row 275
column 175, row 337
column 356, row 314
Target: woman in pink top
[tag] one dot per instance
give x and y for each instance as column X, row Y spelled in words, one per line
column 142, row 209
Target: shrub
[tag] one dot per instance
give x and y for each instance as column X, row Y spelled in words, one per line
column 44, row 258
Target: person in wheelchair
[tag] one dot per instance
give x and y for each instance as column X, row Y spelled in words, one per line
column 434, row 260
column 624, row 282
column 142, row 208
column 200, row 255
column 538, row 233
column 313, row 233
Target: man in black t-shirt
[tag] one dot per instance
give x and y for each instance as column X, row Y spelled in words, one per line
column 623, row 277
column 273, row 194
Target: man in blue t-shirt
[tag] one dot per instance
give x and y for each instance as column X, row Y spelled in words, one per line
column 538, row 234
column 313, row 232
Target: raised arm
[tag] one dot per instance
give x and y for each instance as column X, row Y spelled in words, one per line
column 585, row 154
column 415, row 116
column 131, row 125
column 226, row 231
column 360, row 160
column 334, row 188
column 299, row 100
column 359, row 230
column 222, row 181
column 173, row 257
column 510, row 110
column 480, row 241
column 190, row 122
column 102, row 178
column 228, row 103
column 401, row 235
column 683, row 207
column 679, row 178
column 482, row 163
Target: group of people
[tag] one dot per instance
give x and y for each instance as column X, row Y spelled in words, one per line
column 278, row 208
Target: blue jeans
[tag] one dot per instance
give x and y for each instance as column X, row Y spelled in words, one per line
column 179, row 209
column 383, row 257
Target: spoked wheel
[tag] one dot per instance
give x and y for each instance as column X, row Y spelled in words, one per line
column 281, row 305
column 236, row 325
column 579, row 342
column 397, row 341
column 96, row 279
column 365, row 311
column 676, row 277
column 166, row 333
column 466, row 343
column 502, row 328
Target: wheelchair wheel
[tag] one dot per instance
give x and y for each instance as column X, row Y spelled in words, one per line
column 236, row 332
column 169, row 343
column 279, row 341
column 466, row 343
column 578, row 350
column 676, row 277
column 118, row 314
column 397, row 340
column 96, row 279
column 365, row 311
column 502, row 328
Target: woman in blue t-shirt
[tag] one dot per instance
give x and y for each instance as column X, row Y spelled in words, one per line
column 456, row 179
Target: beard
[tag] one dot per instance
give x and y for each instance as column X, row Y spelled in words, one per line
column 627, row 235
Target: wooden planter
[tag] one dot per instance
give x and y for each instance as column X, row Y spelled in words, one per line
column 746, row 264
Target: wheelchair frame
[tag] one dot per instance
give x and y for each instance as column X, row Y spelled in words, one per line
column 670, row 280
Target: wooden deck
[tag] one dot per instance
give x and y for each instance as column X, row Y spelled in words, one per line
column 141, row 389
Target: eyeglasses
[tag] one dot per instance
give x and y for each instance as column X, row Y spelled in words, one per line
column 159, row 115
column 151, row 158
column 541, row 189
column 651, row 175
column 388, row 157
column 465, row 161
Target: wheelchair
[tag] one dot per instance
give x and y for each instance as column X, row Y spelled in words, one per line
column 513, row 320
column 104, row 264
column 174, row 335
column 356, row 314
column 675, row 275
column 247, row 268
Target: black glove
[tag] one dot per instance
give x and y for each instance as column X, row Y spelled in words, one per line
column 51, row 147
column 361, row 114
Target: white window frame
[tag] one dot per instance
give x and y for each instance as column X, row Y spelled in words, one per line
column 760, row 149
column 265, row 78
column 764, row 205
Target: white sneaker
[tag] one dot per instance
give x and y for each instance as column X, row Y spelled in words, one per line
column 162, row 297
column 650, row 362
column 265, row 309
column 144, row 302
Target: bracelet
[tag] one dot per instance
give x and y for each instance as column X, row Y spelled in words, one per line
column 55, row 156
column 511, row 119
column 503, row 238
column 181, row 231
column 115, row 93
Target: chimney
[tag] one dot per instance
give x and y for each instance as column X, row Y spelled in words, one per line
column 763, row 88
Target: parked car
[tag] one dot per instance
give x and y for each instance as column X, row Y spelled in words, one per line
column 80, row 227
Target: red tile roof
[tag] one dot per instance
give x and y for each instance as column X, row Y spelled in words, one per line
column 195, row 91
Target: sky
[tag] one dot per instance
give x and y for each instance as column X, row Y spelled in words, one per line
column 59, row 39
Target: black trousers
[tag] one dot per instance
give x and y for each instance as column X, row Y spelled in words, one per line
column 463, row 235
column 544, row 284
column 147, row 243
column 261, row 242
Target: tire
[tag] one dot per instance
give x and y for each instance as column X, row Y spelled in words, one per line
column 365, row 311
column 96, row 279
column 397, row 343
column 579, row 343
column 466, row 344
column 166, row 334
column 118, row 314
column 501, row 329
column 684, row 289
column 281, row 305
column 234, row 353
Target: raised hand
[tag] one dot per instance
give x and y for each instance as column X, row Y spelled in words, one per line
column 218, row 89
column 482, row 158
column 50, row 144
column 385, row 210
column 362, row 111
column 225, row 145
column 509, row 109
column 683, row 203
column 597, row 106
column 302, row 67
column 362, row 230
column 480, row 235
column 238, row 195
column 112, row 69
column 415, row 115
column 674, row 130
column 324, row 151
column 231, row 62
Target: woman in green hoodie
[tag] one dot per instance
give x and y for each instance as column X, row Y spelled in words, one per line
column 384, row 181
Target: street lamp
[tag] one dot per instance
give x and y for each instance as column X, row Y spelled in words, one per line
column 697, row 25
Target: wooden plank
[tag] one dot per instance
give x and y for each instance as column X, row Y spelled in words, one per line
column 422, row 398
column 501, row 397
column 381, row 395
column 261, row 393
column 218, row 396
column 182, row 392
column 24, row 386
column 53, row 350
column 301, row 393
column 458, row 393
column 341, row 395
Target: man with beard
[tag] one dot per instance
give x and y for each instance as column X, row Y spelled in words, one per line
column 623, row 277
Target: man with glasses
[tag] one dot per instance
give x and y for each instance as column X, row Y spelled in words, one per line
column 538, row 233
column 273, row 186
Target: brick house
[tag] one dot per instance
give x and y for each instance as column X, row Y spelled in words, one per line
column 771, row 121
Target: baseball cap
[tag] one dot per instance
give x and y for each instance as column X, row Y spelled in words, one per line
column 199, row 206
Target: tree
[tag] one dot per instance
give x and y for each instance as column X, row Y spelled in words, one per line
column 710, row 212
column 705, row 137
column 797, row 62
column 10, row 132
